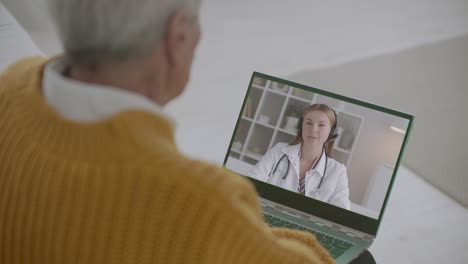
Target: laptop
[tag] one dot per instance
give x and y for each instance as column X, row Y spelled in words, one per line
column 343, row 205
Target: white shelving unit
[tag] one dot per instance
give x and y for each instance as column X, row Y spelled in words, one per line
column 264, row 121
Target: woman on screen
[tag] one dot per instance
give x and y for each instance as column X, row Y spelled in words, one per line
column 305, row 166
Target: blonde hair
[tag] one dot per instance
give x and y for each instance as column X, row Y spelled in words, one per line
column 331, row 114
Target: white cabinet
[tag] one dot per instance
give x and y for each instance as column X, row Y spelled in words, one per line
column 270, row 115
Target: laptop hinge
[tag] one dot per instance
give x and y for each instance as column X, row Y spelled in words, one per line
column 317, row 220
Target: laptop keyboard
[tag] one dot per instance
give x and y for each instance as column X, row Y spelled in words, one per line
column 335, row 246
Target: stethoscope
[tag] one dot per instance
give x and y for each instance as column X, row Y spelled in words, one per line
column 287, row 169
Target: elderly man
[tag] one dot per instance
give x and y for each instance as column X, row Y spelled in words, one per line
column 89, row 171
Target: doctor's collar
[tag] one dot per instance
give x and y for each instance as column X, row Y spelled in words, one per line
column 293, row 151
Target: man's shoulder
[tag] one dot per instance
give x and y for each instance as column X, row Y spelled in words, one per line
column 195, row 175
column 25, row 73
column 24, row 66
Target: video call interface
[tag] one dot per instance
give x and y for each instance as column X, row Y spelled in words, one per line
column 318, row 146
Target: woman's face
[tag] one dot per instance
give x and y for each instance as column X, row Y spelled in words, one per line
column 315, row 127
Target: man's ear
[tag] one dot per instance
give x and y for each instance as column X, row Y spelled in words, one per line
column 178, row 33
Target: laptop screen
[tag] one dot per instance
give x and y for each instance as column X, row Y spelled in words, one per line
column 318, row 145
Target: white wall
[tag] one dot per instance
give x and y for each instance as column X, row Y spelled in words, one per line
column 33, row 16
column 15, row 43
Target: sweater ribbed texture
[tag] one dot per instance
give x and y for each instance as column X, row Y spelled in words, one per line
column 119, row 191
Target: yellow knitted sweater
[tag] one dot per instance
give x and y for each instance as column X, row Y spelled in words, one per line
column 119, row 191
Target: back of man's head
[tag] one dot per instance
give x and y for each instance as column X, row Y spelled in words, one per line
column 103, row 31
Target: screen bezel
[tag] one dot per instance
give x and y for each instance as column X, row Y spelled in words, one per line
column 311, row 206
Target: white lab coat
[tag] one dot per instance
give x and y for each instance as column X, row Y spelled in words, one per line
column 334, row 188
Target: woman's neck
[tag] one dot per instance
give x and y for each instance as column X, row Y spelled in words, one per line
column 310, row 152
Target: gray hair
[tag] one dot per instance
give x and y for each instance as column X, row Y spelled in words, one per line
column 97, row 31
